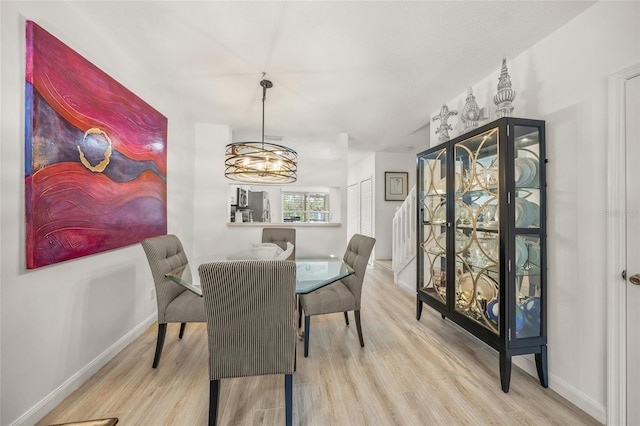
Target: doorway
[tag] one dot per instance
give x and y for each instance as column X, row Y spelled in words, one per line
column 360, row 210
column 623, row 335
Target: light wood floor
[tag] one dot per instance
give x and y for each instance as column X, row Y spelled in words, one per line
column 409, row 373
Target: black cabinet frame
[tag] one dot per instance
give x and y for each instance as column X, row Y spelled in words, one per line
column 513, row 332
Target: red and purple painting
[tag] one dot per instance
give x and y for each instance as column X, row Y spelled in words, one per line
column 95, row 157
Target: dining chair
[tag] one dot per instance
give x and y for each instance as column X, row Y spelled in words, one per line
column 249, row 307
column 175, row 302
column 280, row 236
column 340, row 296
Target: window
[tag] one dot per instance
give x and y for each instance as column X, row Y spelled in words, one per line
column 311, row 207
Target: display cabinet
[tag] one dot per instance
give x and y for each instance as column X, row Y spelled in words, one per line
column 482, row 239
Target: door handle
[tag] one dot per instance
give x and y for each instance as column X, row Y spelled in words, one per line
column 635, row 279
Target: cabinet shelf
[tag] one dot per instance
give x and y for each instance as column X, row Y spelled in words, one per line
column 522, row 191
column 482, row 237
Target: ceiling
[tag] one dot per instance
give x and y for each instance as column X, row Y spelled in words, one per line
column 374, row 70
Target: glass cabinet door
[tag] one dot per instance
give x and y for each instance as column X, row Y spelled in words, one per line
column 433, row 237
column 477, row 239
column 526, row 174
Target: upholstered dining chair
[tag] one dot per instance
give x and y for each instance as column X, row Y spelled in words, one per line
column 250, row 323
column 280, row 236
column 340, row 296
column 175, row 302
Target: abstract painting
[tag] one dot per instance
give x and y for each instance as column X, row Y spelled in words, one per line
column 95, row 157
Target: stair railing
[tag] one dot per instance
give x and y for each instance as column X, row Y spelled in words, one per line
column 403, row 249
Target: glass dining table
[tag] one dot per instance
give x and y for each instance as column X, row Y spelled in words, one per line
column 312, row 273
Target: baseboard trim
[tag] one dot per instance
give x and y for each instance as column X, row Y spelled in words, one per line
column 48, row 403
column 570, row 393
column 410, row 287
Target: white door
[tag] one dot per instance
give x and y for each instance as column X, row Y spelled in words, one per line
column 366, row 208
column 632, row 136
column 353, row 210
column 366, row 212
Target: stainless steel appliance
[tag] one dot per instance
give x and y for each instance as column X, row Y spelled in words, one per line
column 259, row 204
column 247, row 215
column 243, row 198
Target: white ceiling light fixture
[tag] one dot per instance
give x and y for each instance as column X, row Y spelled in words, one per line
column 260, row 162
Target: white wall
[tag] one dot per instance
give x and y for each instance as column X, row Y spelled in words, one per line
column 563, row 80
column 364, row 168
column 385, row 210
column 1, row 209
column 320, row 163
column 62, row 322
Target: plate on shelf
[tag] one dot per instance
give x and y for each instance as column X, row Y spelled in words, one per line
column 522, row 253
column 536, row 166
column 534, row 253
column 527, row 213
column 521, row 213
column 526, row 171
column 533, row 213
column 522, row 171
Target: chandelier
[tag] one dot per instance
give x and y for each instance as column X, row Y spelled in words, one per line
column 260, row 162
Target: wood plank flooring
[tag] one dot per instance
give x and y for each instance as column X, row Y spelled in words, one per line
column 427, row 372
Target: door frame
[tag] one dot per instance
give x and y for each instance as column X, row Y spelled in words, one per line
column 616, row 249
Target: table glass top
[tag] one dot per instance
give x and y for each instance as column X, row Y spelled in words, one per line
column 312, row 273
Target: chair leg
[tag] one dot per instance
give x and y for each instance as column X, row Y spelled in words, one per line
column 357, row 315
column 288, row 397
column 214, row 398
column 182, row 326
column 299, row 313
column 307, row 326
column 162, row 331
column 346, row 318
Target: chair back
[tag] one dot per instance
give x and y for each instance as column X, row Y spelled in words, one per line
column 164, row 253
column 281, row 236
column 249, row 307
column 357, row 256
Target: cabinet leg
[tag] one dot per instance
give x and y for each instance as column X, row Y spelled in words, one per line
column 505, row 370
column 542, row 366
column 418, row 308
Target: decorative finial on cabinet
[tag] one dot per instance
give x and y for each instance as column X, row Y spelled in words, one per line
column 444, row 127
column 505, row 95
column 471, row 112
